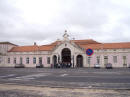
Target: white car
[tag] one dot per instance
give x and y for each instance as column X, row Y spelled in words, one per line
column 39, row 66
column 96, row 65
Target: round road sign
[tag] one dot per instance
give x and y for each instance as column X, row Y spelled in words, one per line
column 89, row 51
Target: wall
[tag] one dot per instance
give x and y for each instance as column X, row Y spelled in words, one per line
column 75, row 50
column 24, row 55
column 110, row 53
column 4, row 48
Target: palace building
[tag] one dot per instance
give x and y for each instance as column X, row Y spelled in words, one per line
column 66, row 51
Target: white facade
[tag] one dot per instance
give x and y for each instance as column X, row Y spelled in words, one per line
column 119, row 57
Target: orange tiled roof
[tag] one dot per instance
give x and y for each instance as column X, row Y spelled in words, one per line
column 32, row 48
column 92, row 46
column 24, row 49
column 82, row 43
column 116, row 45
column 107, row 45
column 46, row 47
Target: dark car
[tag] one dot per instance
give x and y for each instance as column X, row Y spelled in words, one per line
column 108, row 66
column 19, row 66
column 39, row 66
column 97, row 66
column 129, row 66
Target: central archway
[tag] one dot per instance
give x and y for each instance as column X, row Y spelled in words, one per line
column 66, row 55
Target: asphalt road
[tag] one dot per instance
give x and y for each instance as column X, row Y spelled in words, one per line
column 68, row 78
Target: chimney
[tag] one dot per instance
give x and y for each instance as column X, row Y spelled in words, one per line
column 73, row 38
column 35, row 43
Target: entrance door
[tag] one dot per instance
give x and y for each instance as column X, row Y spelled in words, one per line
column 66, row 55
column 79, row 61
column 54, row 60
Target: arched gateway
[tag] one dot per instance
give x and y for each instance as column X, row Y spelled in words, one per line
column 66, row 55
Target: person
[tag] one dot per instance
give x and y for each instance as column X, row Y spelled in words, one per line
column 58, row 65
column 70, row 65
column 61, row 64
column 73, row 65
column 51, row 65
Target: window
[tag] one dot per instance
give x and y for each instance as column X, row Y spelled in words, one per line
column 27, row 60
column 40, row 60
column 8, row 60
column 114, row 50
column 124, row 57
column 21, row 60
column 14, row 60
column 124, row 61
column 48, row 60
column 105, row 59
column 105, row 49
column 115, row 59
column 34, row 60
column 98, row 59
column 123, row 49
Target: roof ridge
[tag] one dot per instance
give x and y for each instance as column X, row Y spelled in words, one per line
column 116, row 42
column 7, row 42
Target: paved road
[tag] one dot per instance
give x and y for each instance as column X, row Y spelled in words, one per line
column 32, row 91
column 68, row 78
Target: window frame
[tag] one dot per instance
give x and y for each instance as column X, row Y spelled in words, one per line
column 15, row 61
column 8, row 60
column 34, row 60
column 48, row 60
column 115, row 59
column 27, row 60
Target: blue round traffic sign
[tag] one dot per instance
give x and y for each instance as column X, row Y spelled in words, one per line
column 89, row 52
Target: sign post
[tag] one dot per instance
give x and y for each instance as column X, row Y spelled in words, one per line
column 89, row 52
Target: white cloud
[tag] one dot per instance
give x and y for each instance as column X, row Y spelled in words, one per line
column 26, row 21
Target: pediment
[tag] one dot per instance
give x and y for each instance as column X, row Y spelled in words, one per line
column 67, row 44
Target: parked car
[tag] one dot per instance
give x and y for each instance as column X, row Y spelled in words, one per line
column 39, row 65
column 108, row 66
column 129, row 66
column 96, row 65
column 19, row 66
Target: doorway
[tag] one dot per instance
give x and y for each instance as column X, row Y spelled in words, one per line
column 79, row 61
column 54, row 60
column 66, row 55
